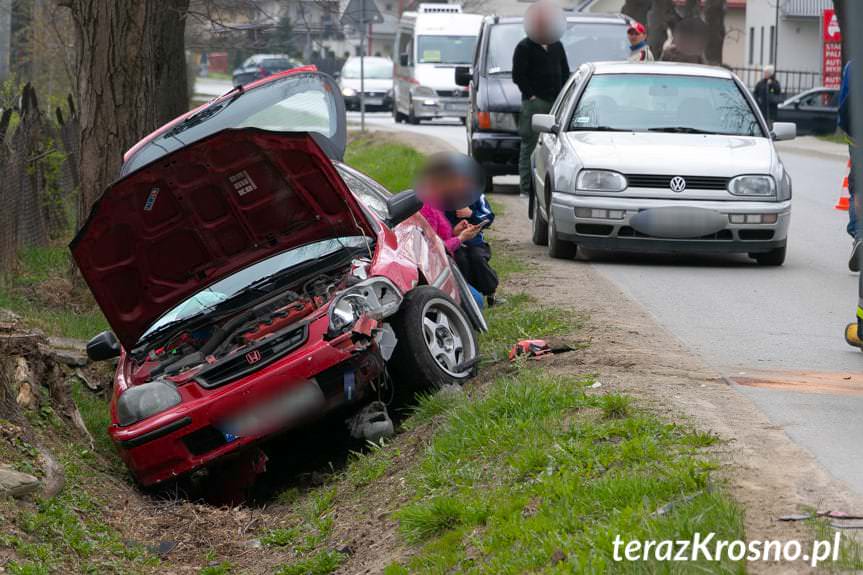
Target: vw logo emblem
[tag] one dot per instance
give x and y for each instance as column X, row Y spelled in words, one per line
column 677, row 184
column 253, row 356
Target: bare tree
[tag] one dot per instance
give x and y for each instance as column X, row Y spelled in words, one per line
column 660, row 18
column 131, row 78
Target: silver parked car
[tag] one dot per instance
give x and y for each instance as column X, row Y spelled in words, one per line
column 659, row 157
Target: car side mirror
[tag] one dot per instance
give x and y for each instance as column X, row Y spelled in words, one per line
column 402, row 206
column 463, row 76
column 403, row 59
column 783, row 131
column 103, row 346
column 544, row 123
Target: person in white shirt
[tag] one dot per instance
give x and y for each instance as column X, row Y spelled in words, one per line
column 639, row 51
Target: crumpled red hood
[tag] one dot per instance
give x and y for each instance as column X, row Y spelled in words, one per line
column 199, row 214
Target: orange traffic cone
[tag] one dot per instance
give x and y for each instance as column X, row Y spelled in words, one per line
column 842, row 204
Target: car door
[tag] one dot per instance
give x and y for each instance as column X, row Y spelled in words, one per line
column 548, row 146
column 814, row 113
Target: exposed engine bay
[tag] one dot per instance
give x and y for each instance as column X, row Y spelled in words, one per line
column 267, row 326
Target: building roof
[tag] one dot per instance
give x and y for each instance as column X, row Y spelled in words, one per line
column 805, row 8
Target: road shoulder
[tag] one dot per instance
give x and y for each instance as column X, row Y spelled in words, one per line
column 766, row 471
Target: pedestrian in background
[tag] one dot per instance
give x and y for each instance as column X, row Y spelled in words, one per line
column 855, row 204
column 639, row 51
column 539, row 69
column 767, row 93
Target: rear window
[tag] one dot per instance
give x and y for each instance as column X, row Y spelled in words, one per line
column 583, row 42
column 277, row 64
column 664, row 103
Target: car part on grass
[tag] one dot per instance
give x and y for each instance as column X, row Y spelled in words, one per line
column 372, row 423
column 535, row 349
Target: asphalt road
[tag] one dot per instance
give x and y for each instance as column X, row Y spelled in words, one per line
column 776, row 333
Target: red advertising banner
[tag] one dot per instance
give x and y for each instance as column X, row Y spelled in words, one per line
column 831, row 66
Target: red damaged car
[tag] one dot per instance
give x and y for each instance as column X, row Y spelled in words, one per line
column 253, row 282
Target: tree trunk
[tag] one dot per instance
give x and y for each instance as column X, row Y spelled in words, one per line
column 661, row 17
column 131, row 79
column 637, row 9
column 714, row 15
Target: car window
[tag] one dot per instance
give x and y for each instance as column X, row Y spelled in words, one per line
column 583, row 42
column 406, row 47
column 656, row 102
column 371, row 194
column 445, row 49
column 560, row 104
column 373, row 68
column 821, row 99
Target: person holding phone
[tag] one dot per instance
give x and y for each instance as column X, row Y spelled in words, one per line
column 473, row 258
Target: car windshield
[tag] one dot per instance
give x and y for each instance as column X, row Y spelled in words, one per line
column 374, row 69
column 445, row 49
column 664, row 103
column 583, row 42
column 294, row 103
column 229, row 287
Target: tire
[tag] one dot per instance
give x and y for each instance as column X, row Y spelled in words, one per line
column 397, row 116
column 540, row 226
column 430, row 328
column 412, row 119
column 557, row 247
column 773, row 258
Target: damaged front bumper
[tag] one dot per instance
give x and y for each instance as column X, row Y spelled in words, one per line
column 319, row 375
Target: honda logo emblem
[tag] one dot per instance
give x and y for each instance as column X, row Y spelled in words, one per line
column 253, row 356
column 677, row 184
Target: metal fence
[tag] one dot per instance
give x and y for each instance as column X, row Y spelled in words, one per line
column 38, row 177
column 792, row 82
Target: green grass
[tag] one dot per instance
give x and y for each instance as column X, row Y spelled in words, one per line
column 540, row 475
column 37, row 266
column 365, row 468
column 836, row 138
column 322, row 563
column 522, row 317
column 392, row 165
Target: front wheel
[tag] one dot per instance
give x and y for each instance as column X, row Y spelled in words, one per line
column 436, row 343
column 558, row 248
column 775, row 257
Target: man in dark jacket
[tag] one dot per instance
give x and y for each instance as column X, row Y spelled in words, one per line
column 767, row 94
column 854, row 205
column 539, row 69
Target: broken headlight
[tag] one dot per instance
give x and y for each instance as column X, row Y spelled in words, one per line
column 142, row 401
column 376, row 296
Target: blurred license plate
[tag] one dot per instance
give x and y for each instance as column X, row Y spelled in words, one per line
column 275, row 412
column 374, row 101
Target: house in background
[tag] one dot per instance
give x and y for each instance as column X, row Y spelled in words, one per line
column 734, row 48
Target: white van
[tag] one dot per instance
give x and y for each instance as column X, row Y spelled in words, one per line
column 430, row 43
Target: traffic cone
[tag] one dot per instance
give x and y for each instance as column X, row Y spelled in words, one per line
column 842, row 204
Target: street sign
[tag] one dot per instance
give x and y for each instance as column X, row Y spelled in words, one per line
column 831, row 41
column 359, row 13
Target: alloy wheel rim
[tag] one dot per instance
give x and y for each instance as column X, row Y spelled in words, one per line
column 447, row 336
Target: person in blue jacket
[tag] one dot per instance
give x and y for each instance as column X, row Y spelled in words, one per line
column 855, row 204
column 474, row 255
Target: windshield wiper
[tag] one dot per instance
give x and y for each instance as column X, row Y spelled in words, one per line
column 682, row 130
column 202, row 116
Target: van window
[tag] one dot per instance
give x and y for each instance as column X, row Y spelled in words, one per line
column 583, row 42
column 406, row 40
column 445, row 49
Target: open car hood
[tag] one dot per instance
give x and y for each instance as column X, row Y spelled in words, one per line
column 203, row 212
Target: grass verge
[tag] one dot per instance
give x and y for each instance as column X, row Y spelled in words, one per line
column 392, row 165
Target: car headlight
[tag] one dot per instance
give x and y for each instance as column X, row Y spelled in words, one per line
column 423, row 92
column 142, row 401
column 761, row 186
column 376, row 296
column 600, row 181
column 349, row 92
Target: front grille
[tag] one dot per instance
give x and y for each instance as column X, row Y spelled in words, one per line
column 375, row 94
column 266, row 352
column 692, row 182
column 628, row 232
column 203, row 440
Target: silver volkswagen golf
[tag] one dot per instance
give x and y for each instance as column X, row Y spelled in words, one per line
column 659, row 157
